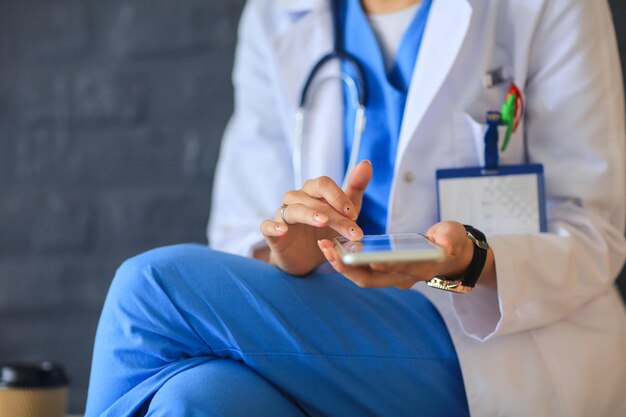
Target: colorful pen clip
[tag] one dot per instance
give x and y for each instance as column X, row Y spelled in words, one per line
column 512, row 113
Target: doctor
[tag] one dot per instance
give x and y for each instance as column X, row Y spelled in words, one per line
column 189, row 331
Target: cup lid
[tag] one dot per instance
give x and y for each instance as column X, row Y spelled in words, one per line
column 32, row 375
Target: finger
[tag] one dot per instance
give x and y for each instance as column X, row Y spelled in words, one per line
column 327, row 189
column 402, row 281
column 421, row 271
column 271, row 228
column 301, row 197
column 326, row 217
column 363, row 276
column 358, row 181
column 366, row 278
column 337, row 222
column 300, row 214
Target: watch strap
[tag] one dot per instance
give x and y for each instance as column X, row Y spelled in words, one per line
column 479, row 257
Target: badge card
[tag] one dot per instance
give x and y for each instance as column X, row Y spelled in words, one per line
column 506, row 200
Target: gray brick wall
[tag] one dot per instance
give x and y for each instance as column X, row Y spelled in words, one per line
column 111, row 113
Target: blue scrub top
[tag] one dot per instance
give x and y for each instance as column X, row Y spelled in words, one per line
column 385, row 106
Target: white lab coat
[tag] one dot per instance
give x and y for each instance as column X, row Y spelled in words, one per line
column 552, row 340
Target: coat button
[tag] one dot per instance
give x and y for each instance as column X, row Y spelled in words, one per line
column 408, row 176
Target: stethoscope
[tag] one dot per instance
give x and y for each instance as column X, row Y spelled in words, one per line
column 357, row 89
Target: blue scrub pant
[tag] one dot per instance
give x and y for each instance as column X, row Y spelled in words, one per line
column 187, row 331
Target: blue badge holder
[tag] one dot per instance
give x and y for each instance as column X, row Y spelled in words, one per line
column 495, row 199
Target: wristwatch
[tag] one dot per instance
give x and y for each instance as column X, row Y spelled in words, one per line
column 467, row 282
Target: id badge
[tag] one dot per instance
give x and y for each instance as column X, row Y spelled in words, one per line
column 504, row 200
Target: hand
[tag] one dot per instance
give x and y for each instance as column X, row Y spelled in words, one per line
column 450, row 236
column 320, row 210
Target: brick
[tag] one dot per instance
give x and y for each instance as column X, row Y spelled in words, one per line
column 6, row 160
column 44, row 223
column 41, row 153
column 198, row 90
column 56, row 157
column 42, row 98
column 6, row 98
column 200, row 152
column 55, row 30
column 154, row 216
column 124, row 158
column 112, row 157
column 225, row 20
column 61, row 225
column 155, row 26
column 54, row 283
column 96, row 97
column 109, row 97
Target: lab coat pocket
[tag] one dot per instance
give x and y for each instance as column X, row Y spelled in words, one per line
column 469, row 135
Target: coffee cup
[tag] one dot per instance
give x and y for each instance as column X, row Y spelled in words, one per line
column 33, row 390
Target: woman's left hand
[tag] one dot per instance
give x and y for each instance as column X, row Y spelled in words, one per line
column 450, row 236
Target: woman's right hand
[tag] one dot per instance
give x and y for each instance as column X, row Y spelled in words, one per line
column 320, row 210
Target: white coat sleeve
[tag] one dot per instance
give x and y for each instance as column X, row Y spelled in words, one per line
column 254, row 167
column 575, row 127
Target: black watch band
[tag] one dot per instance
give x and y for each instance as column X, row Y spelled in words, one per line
column 478, row 259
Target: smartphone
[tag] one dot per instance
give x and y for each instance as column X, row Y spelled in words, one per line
column 408, row 247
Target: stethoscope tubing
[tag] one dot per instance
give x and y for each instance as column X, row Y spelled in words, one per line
column 358, row 99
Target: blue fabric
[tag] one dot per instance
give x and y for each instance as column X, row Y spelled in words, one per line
column 220, row 388
column 385, row 106
column 191, row 332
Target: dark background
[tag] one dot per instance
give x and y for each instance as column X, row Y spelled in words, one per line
column 111, row 115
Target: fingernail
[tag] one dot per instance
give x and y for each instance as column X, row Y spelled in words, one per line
column 278, row 227
column 348, row 210
column 367, row 161
column 355, row 232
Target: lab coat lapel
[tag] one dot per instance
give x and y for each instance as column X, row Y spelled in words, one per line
column 298, row 5
column 448, row 20
column 297, row 50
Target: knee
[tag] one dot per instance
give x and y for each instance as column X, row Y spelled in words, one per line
column 182, row 395
column 220, row 388
column 141, row 276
